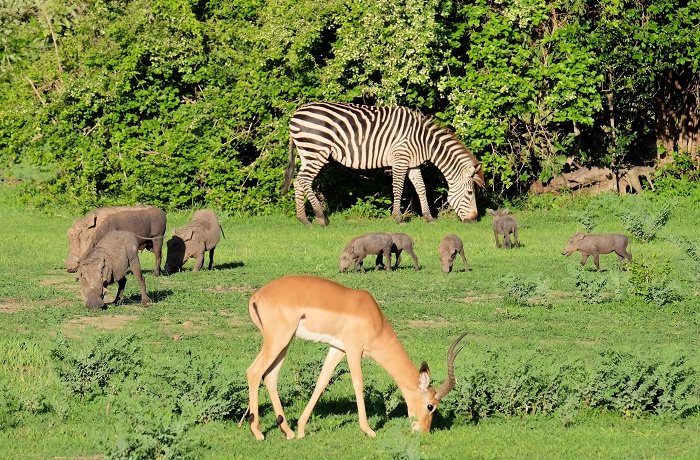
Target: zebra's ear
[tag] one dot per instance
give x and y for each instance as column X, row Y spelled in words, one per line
column 476, row 169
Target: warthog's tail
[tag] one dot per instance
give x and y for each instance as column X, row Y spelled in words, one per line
column 291, row 165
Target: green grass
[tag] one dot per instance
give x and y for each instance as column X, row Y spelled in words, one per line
column 184, row 386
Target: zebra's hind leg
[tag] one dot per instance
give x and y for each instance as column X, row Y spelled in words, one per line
column 302, row 186
column 299, row 199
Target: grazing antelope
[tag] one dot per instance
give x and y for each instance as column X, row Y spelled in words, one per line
column 351, row 322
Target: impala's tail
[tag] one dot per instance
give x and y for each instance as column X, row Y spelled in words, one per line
column 291, row 165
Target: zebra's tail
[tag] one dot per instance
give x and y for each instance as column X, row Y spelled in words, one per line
column 291, row 165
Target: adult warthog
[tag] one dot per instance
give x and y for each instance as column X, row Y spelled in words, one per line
column 144, row 221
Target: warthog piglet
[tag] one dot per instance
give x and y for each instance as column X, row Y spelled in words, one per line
column 401, row 242
column 594, row 245
column 504, row 224
column 201, row 234
column 450, row 246
column 107, row 263
column 360, row 247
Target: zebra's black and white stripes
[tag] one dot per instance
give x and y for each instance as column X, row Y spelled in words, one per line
column 366, row 137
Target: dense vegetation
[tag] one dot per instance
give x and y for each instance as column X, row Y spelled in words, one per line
column 561, row 362
column 183, row 102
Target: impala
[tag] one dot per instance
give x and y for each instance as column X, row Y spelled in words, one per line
column 351, row 322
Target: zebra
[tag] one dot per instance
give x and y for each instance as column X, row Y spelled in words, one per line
column 368, row 137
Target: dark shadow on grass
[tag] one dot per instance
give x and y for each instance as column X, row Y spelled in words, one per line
column 228, row 265
column 225, row 266
column 155, row 296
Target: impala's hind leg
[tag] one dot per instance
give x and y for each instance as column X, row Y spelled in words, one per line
column 271, row 383
column 266, row 366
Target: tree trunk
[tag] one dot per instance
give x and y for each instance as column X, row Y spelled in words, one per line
column 677, row 120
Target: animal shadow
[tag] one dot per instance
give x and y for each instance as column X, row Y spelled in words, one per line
column 229, row 265
column 155, row 296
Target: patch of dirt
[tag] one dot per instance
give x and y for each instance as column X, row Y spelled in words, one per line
column 106, row 322
column 421, row 323
column 224, row 290
column 471, row 297
column 10, row 305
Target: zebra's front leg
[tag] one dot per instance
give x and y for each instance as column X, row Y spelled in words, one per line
column 398, row 173
column 417, row 180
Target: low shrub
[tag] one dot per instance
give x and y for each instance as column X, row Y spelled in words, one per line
column 650, row 280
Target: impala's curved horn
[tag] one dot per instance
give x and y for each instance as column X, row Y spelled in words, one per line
column 450, row 382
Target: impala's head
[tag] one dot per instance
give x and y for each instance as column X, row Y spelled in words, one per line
column 461, row 196
column 428, row 397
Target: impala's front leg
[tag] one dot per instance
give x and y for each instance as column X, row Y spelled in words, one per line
column 358, row 385
column 332, row 360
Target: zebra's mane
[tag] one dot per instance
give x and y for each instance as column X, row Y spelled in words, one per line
column 433, row 124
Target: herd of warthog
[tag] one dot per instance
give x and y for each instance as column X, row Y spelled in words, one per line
column 105, row 243
column 504, row 224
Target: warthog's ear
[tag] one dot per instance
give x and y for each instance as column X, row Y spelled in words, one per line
column 174, row 231
column 504, row 212
column 579, row 236
column 491, row 211
column 423, row 377
column 188, row 235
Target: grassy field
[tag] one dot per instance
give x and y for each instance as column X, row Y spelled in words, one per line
column 561, row 362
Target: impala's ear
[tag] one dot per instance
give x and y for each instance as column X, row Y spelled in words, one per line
column 423, row 377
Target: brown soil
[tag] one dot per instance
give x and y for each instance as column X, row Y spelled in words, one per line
column 107, row 322
column 224, row 290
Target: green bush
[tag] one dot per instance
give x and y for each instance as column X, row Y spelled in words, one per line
column 624, row 383
column 86, row 372
column 650, row 280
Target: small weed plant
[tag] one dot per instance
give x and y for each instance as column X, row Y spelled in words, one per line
column 650, row 280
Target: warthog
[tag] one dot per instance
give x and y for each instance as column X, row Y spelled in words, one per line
column 146, row 222
column 504, row 224
column 594, row 245
column 450, row 246
column 401, row 242
column 360, row 247
column 201, row 234
column 107, row 263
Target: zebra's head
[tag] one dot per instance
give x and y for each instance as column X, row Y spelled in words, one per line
column 461, row 196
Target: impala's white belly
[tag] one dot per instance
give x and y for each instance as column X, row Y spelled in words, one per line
column 305, row 334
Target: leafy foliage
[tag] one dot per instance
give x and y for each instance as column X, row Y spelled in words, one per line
column 86, row 372
column 650, row 280
column 184, row 103
column 618, row 382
